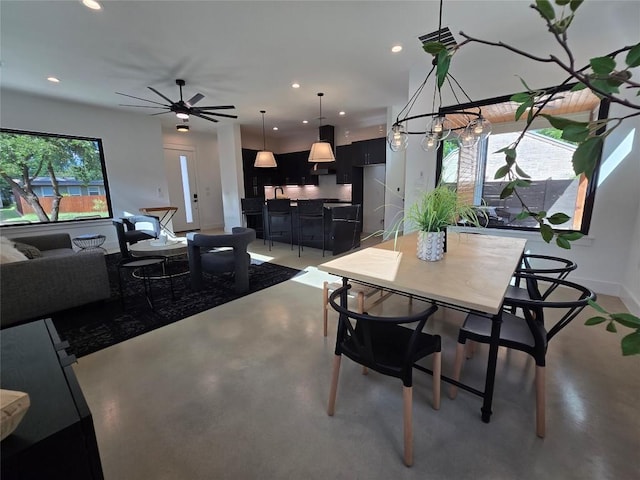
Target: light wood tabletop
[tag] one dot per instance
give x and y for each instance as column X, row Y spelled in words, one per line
column 474, row 274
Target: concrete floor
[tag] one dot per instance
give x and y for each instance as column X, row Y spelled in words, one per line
column 240, row 392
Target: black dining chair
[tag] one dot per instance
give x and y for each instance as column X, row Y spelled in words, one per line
column 252, row 209
column 279, row 209
column 134, row 229
column 530, row 333
column 544, row 265
column 310, row 212
column 384, row 345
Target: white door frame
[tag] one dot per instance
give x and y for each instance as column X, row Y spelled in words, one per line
column 181, row 223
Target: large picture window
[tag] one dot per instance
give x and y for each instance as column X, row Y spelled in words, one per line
column 542, row 154
column 47, row 178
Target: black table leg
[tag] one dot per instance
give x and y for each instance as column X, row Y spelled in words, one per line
column 496, row 322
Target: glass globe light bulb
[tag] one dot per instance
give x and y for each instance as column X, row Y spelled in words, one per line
column 468, row 138
column 397, row 138
column 430, row 142
column 440, row 126
column 482, row 128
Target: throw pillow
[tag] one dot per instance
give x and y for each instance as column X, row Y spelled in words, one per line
column 29, row 251
column 9, row 253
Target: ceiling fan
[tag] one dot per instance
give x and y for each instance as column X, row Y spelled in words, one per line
column 182, row 109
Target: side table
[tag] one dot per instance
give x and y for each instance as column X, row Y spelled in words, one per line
column 89, row 241
column 143, row 264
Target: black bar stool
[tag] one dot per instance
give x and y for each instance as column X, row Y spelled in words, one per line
column 252, row 208
column 310, row 211
column 281, row 209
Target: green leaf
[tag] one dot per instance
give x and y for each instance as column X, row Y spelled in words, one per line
column 575, row 133
column 602, row 65
column 578, row 86
column 521, row 172
column 523, row 108
column 546, row 9
column 502, row 172
column 587, row 155
column 506, row 192
column 520, row 97
column 522, row 215
column 597, row 307
column 626, row 319
column 558, row 219
column 595, row 321
column 574, row 4
column 434, row 48
column 523, row 183
column 562, row 3
column 605, row 85
column 562, row 123
column 510, row 153
column 572, row 236
column 525, row 84
column 547, row 232
column 442, row 68
column 611, row 327
column 631, row 344
column 563, row 243
column 633, row 56
column 562, row 25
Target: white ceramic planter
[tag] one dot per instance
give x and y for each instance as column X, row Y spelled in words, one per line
column 430, row 246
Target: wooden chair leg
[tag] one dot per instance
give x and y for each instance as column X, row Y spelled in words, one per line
column 540, row 401
column 334, row 385
column 471, row 348
column 365, row 371
column 457, row 368
column 360, row 302
column 407, row 395
column 325, row 305
column 437, row 370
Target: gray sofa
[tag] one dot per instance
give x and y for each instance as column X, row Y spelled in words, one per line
column 59, row 279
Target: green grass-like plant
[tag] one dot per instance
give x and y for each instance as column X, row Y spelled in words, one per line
column 439, row 208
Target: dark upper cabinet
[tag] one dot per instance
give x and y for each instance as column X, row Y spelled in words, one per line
column 294, row 169
column 344, row 163
column 369, row 152
column 255, row 179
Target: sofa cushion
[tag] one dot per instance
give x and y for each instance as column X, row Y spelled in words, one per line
column 57, row 252
column 9, row 253
column 29, row 251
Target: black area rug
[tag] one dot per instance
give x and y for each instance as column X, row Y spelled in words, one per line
column 96, row 326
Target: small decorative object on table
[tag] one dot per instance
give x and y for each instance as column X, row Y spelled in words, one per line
column 14, row 406
column 89, row 241
column 432, row 213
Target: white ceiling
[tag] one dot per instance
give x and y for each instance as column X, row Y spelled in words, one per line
column 248, row 53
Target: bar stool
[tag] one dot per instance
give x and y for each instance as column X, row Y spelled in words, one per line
column 281, row 209
column 310, row 211
column 253, row 208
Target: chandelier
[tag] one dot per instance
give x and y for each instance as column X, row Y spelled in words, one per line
column 439, row 126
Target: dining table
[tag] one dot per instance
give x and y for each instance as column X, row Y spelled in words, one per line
column 473, row 277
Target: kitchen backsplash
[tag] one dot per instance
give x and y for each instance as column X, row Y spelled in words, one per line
column 327, row 188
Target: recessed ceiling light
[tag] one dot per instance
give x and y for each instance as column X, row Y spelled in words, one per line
column 305, row 121
column 295, row 85
column 396, row 48
column 92, row 4
column 53, row 79
column 275, row 128
column 341, row 113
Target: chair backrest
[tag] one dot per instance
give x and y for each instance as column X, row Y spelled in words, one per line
column 120, row 232
column 547, row 266
column 310, row 208
column 374, row 342
column 252, row 205
column 153, row 221
column 567, row 304
column 279, row 206
column 239, row 238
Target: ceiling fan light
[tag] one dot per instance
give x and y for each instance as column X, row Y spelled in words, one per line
column 321, row 152
column 182, row 115
column 265, row 159
column 182, row 128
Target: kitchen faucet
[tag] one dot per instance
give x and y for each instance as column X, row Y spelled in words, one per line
column 275, row 192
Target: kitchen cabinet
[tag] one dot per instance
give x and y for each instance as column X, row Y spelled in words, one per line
column 369, row 152
column 255, row 179
column 344, row 164
column 294, row 169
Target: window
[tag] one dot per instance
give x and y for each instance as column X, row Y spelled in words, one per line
column 542, row 154
column 71, row 169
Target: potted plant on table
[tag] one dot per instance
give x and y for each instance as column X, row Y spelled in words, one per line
column 434, row 211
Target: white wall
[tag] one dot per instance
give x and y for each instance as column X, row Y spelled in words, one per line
column 132, row 148
column 232, row 179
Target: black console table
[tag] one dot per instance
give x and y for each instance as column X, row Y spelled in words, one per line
column 56, row 438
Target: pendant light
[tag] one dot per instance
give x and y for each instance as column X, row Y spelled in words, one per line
column 321, row 151
column 264, row 158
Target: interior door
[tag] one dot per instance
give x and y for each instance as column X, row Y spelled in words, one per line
column 180, row 165
column 373, row 199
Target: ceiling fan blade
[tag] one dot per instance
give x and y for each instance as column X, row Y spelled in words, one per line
column 158, row 93
column 204, row 116
column 159, row 113
column 143, row 99
column 195, row 99
column 218, row 107
column 139, row 106
column 198, row 111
